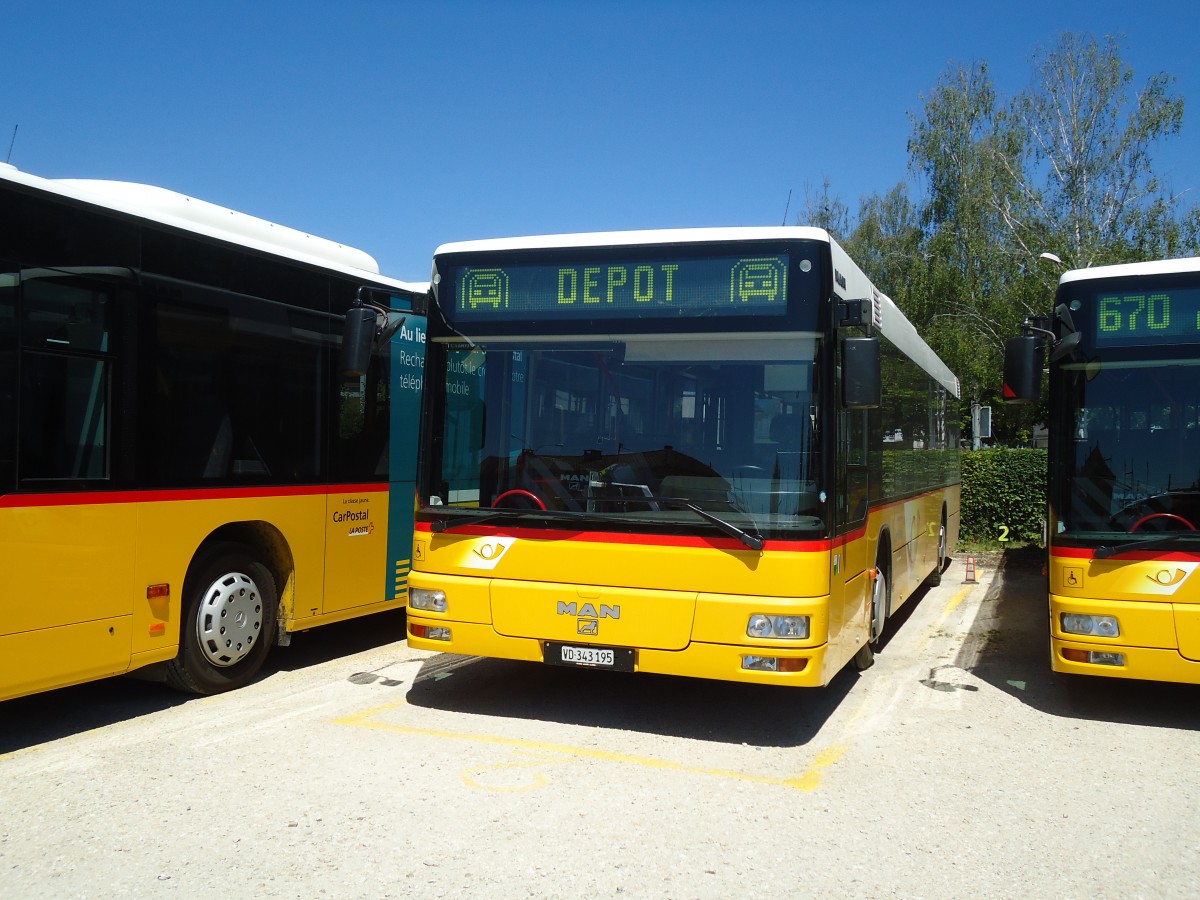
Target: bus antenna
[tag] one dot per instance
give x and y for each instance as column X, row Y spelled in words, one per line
column 10, row 144
column 787, row 206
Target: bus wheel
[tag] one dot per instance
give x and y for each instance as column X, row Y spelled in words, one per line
column 227, row 623
column 935, row 577
column 865, row 657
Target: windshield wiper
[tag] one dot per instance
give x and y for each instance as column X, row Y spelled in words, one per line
column 1106, row 550
column 641, row 494
column 753, row 541
column 445, row 524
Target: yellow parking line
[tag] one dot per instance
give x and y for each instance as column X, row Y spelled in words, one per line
column 956, row 600
column 808, row 781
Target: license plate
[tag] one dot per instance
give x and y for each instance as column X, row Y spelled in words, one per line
column 618, row 659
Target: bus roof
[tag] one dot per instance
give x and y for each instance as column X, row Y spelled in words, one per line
column 165, row 207
column 631, row 238
column 1124, row 270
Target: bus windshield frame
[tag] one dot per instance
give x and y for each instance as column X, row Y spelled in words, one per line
column 1128, row 454
column 679, row 421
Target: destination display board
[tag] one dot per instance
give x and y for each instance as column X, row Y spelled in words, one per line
column 681, row 287
column 1139, row 317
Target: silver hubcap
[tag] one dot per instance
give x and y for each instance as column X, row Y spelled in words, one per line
column 230, row 619
column 878, row 606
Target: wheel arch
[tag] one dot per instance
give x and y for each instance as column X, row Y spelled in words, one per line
column 267, row 544
column 883, row 549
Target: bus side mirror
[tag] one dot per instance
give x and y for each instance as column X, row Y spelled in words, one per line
column 358, row 338
column 861, row 384
column 1023, row 368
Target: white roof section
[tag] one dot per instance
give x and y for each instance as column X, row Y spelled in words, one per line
column 634, row 238
column 1125, row 270
column 166, row 207
column 887, row 318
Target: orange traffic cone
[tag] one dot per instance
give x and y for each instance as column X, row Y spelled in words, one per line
column 970, row 578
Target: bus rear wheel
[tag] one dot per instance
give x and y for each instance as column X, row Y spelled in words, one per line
column 228, row 619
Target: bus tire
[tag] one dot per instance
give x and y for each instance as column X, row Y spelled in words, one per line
column 935, row 577
column 228, row 620
column 880, row 605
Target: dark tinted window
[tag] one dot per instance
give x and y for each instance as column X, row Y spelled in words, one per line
column 238, row 393
column 66, row 332
column 8, row 379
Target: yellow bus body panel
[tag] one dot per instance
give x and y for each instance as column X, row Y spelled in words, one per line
column 355, row 551
column 1156, row 603
column 66, row 609
column 507, row 611
column 683, row 606
column 76, row 606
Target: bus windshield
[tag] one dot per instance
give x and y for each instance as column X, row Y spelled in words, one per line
column 636, row 431
column 1133, row 465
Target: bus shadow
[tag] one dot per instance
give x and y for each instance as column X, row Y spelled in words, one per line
column 1011, row 642
column 311, row 648
column 51, row 715
column 669, row 706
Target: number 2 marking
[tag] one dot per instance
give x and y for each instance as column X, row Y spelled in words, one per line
column 1003, row 533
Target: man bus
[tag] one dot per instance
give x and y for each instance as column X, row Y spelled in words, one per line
column 666, row 452
column 1124, row 467
column 186, row 478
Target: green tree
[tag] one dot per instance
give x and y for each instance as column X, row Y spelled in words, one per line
column 825, row 209
column 1084, row 169
column 1066, row 166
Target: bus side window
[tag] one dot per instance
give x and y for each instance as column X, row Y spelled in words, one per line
column 852, row 466
column 8, row 381
column 65, row 380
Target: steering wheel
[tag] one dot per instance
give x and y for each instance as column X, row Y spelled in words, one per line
column 1161, row 515
column 519, row 499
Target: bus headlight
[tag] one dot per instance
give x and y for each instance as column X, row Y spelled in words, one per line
column 1100, row 626
column 788, row 627
column 430, row 601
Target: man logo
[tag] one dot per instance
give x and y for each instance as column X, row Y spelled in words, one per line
column 589, row 609
column 589, row 626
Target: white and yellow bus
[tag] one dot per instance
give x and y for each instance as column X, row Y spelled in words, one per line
column 1124, row 475
column 186, row 477
column 668, row 452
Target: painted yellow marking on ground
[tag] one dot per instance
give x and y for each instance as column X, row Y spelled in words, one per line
column 808, row 781
column 955, row 601
column 479, row 778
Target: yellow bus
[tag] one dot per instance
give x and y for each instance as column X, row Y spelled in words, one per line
column 667, row 451
column 1124, row 467
column 186, row 477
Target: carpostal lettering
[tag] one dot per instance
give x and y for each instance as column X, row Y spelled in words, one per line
column 352, row 515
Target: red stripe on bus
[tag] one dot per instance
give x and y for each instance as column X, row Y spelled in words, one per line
column 660, row 540
column 637, row 538
column 96, row 498
column 1125, row 555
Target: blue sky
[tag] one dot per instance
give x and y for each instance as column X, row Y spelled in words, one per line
column 397, row 126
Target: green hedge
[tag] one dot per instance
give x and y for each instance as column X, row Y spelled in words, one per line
column 1003, row 495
